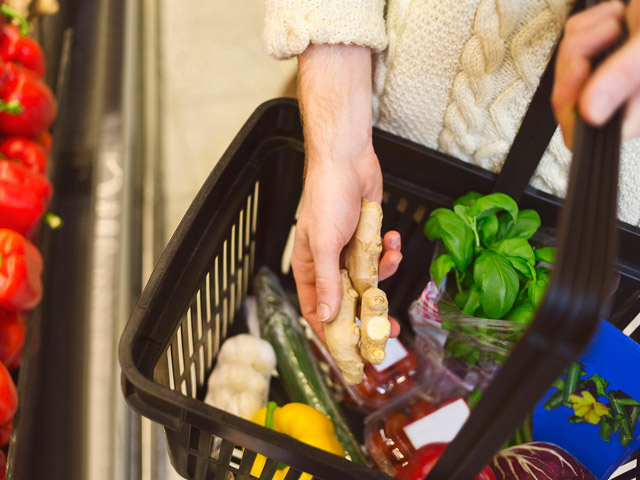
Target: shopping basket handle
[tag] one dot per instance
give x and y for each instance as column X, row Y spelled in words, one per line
column 569, row 314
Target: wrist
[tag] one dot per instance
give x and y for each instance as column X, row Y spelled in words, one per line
column 334, row 91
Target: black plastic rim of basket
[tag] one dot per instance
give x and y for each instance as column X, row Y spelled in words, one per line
column 143, row 340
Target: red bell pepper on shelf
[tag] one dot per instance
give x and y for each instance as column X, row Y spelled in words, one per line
column 425, row 458
column 28, row 105
column 5, row 433
column 45, row 139
column 20, row 271
column 13, row 326
column 8, row 395
column 29, row 152
column 18, row 48
column 3, row 465
column 24, row 196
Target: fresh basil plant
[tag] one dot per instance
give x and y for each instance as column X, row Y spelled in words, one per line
column 488, row 253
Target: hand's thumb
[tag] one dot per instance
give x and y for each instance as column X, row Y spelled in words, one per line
column 328, row 284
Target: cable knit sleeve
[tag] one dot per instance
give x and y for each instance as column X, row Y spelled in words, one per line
column 291, row 25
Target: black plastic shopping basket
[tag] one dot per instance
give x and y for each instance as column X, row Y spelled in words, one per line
column 241, row 219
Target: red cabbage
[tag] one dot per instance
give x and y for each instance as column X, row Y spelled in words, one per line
column 538, row 461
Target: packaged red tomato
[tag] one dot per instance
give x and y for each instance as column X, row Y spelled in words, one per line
column 380, row 384
column 394, row 434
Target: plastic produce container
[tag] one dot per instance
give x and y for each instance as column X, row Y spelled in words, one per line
column 242, row 219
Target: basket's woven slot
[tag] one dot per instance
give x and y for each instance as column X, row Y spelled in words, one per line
column 193, row 381
column 200, row 444
column 190, row 342
column 180, row 350
column 293, row 474
column 224, row 459
column 246, row 462
column 254, row 222
column 172, row 378
column 269, row 469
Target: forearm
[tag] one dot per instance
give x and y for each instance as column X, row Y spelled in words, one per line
column 334, row 90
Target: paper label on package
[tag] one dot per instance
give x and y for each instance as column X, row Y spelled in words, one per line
column 394, row 352
column 440, row 426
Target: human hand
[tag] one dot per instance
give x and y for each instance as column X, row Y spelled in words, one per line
column 342, row 168
column 597, row 95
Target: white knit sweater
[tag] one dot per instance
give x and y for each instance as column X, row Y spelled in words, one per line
column 454, row 75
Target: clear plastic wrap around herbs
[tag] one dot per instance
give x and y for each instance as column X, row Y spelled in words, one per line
column 487, row 281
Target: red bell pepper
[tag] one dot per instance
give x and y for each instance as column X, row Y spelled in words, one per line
column 8, row 395
column 24, row 196
column 3, row 465
column 13, row 326
column 425, row 458
column 5, row 433
column 29, row 152
column 28, row 105
column 20, row 271
column 22, row 49
column 45, row 139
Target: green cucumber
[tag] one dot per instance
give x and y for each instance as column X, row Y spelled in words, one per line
column 298, row 369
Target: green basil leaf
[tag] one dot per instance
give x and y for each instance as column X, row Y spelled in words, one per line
column 468, row 199
column 462, row 212
column 522, row 267
column 538, row 288
column 494, row 203
column 498, row 283
column 504, row 224
column 441, row 267
column 546, row 254
column 489, row 230
column 456, row 235
column 527, row 224
column 515, row 247
column 461, row 298
column 522, row 313
column 432, row 229
column 473, row 301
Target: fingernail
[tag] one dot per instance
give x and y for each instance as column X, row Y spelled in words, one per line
column 323, row 312
column 395, row 242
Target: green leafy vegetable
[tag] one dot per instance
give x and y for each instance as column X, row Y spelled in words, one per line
column 538, row 288
column 473, row 301
column 527, row 224
column 546, row 255
column 468, row 199
column 522, row 313
column 489, row 230
column 498, row 283
column 442, row 265
column 456, row 235
column 494, row 203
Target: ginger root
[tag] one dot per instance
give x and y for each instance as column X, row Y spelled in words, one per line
column 375, row 327
column 363, row 251
column 343, row 335
column 362, row 257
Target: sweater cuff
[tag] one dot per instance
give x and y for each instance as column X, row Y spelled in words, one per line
column 291, row 25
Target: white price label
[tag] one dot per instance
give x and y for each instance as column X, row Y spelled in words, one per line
column 393, row 353
column 440, row 426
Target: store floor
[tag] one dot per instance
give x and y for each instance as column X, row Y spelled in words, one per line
column 214, row 73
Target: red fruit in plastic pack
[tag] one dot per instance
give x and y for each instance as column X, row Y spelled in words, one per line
column 3, row 465
column 420, row 409
column 425, row 459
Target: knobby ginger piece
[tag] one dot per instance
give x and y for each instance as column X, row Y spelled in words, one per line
column 363, row 251
column 375, row 327
column 343, row 335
